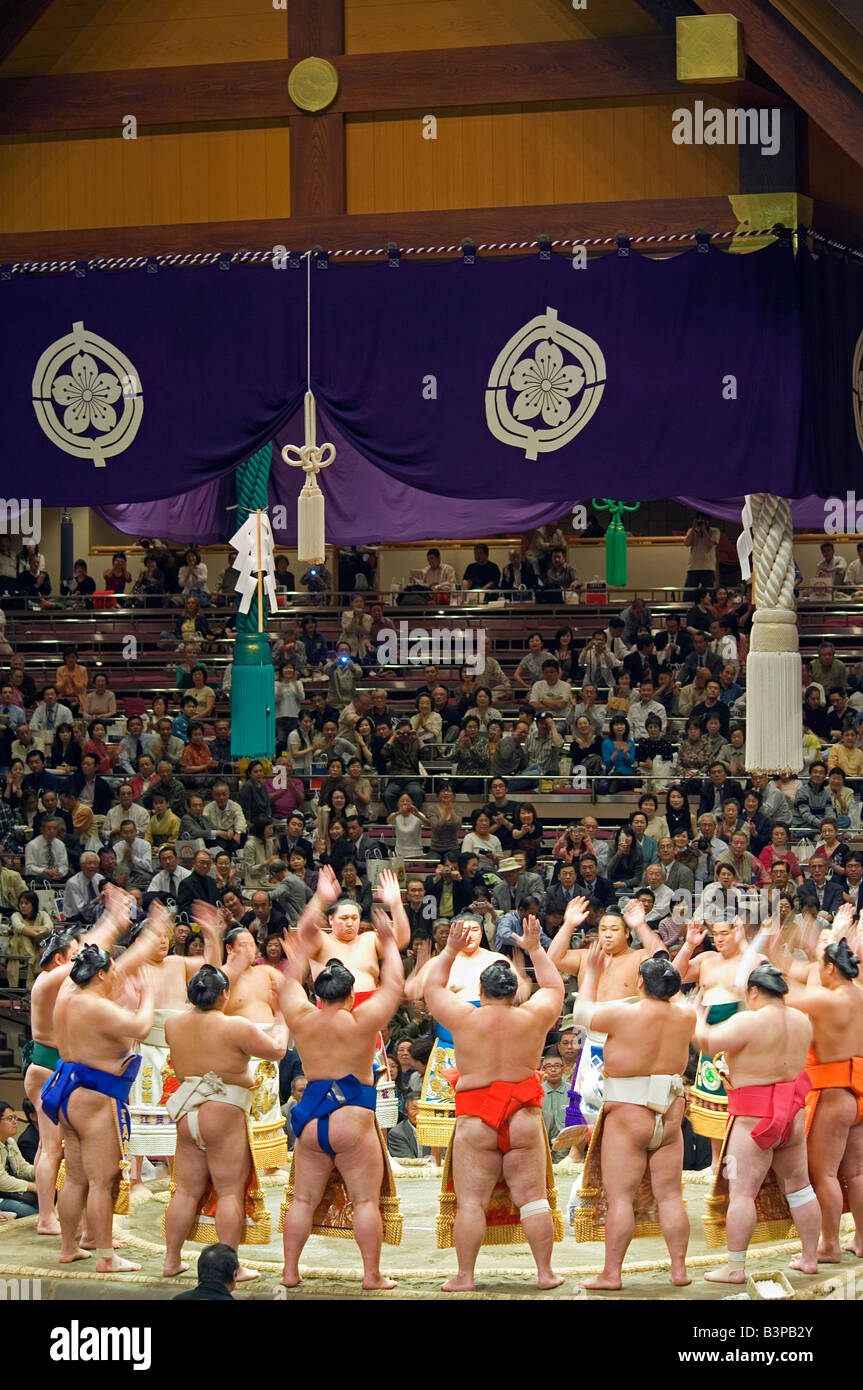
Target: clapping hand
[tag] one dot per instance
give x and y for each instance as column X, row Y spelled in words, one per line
column 388, row 889
column 530, row 940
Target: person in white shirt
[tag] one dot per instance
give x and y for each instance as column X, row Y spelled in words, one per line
column 45, row 856
column 290, row 694
column 83, row 888
column 134, row 857
column 171, row 874
column 642, row 705
column 126, row 809
column 854, row 572
column 551, row 695
column 482, row 843
column 50, row 714
column 615, row 645
column 596, row 665
column 227, row 816
column 724, row 644
column 831, row 566
column 437, row 576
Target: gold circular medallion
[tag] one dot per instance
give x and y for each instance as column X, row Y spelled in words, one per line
column 313, row 84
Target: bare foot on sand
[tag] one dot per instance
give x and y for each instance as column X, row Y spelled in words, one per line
column 171, row 1273
column 550, row 1280
column 245, row 1276
column 601, row 1282
column 855, row 1246
column 726, row 1275
column 802, row 1265
column 459, row 1283
column 679, row 1276
column 77, row 1254
column 378, row 1281
column 50, row 1227
column 114, row 1265
column 829, row 1254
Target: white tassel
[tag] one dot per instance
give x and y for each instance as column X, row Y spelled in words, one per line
column 311, row 531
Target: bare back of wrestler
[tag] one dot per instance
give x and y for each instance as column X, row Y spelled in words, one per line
column 57, row 958
column 336, row 1041
column 205, row 1039
column 764, row 1046
column 647, row 1039
column 834, row 1006
column 498, row 1042
column 92, row 1029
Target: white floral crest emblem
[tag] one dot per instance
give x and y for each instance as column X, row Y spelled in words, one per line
column 99, row 376
column 559, row 396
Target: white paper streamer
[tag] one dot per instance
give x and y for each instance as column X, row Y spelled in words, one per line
column 249, row 562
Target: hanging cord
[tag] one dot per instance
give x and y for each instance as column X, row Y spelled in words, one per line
column 202, row 258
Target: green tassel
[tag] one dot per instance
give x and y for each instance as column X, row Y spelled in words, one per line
column 616, row 572
column 253, row 680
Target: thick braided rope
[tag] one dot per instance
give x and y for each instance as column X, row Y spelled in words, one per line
column 772, row 560
column 252, row 479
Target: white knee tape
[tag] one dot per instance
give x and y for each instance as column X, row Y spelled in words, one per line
column 534, row 1208
column 799, row 1199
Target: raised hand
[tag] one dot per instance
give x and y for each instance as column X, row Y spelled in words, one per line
column 209, row 919
column 577, row 911
column 634, row 915
column 459, row 937
column 595, row 958
column 697, row 932
column 842, row 922
column 383, row 924
column 296, row 957
column 328, row 888
column 388, row 889
column 530, row 940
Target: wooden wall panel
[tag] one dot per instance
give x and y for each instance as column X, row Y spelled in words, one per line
column 556, row 152
column 102, row 181
column 95, row 35
column 390, row 26
column 833, row 176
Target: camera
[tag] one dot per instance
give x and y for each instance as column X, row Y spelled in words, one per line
column 313, row 571
column 703, row 843
column 343, row 660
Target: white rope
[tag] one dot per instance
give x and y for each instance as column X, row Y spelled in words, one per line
column 774, row 728
column 202, row 258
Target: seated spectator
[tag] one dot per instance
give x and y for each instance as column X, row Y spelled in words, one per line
column 846, row 754
column 402, row 1141
column 718, row 789
column 831, row 848
column 356, row 626
column 82, row 890
column 318, row 580
column 45, row 855
column 519, row 575
column 97, row 746
column 48, row 715
column 82, row 586
column 34, row 582
column 117, row 577
column 265, row 917
column 816, row 716
column 481, row 842
column 818, row 891
column 29, row 927
column 473, row 756
column 203, row 694
column 559, row 578
column 134, row 852
column 618, row 751
column 482, row 709
column 828, row 671
column 551, row 695
column 191, row 625
column 586, row 704
column 673, row 644
column 773, row 803
column 196, row 755
column 841, row 797
column 150, row 584
column 779, row 849
column 71, row 679
column 510, row 755
column 619, row 701
column 646, row 843
column 700, row 658
column 831, row 567
column 712, row 704
column 720, row 900
column 200, row 884
column 755, row 821
column 542, row 745
column 653, row 745
column 17, row 1177
column 426, row 724
column 90, row 788
column 740, row 859
column 626, row 862
column 595, row 664
column 65, row 750
column 590, row 884
column 586, row 747
column 530, row 668
column 100, row 702
column 193, row 578
column 511, row 926
column 854, row 881
column 643, row 664
column 483, row 574
column 736, row 747
column 436, row 576
column 729, row 689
